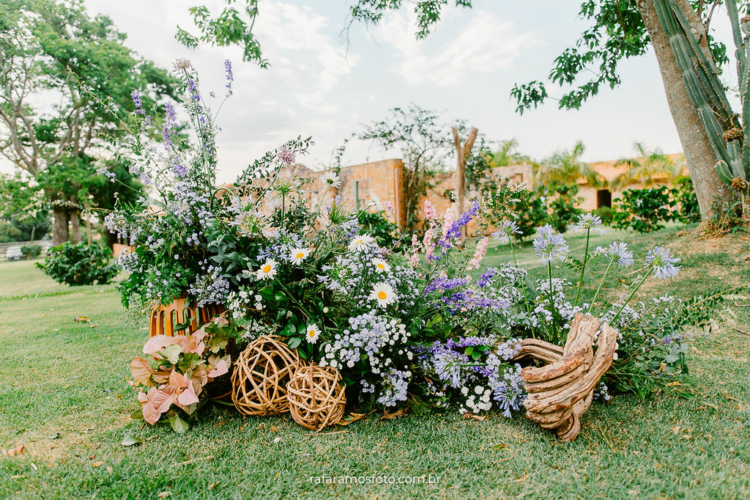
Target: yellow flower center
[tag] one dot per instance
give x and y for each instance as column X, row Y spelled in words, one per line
column 300, row 255
column 382, row 295
column 381, row 265
column 267, row 268
column 311, row 333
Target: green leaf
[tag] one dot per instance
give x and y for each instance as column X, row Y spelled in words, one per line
column 280, row 297
column 178, row 425
column 137, row 415
column 476, row 355
column 294, row 342
column 130, row 441
column 172, row 353
column 469, row 350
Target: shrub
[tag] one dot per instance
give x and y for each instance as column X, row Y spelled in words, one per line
column 686, row 197
column 563, row 207
column 385, row 232
column 645, row 209
column 79, row 264
column 31, row 251
column 605, row 214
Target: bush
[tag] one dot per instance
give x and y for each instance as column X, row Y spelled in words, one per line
column 605, row 214
column 645, row 209
column 79, row 264
column 686, row 197
column 385, row 232
column 563, row 207
column 31, row 251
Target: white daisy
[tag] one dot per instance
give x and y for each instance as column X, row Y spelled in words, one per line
column 362, row 242
column 331, row 179
column 267, row 270
column 298, row 255
column 383, row 293
column 312, row 333
column 381, row 266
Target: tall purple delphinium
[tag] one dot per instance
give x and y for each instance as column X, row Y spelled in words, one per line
column 229, row 75
column 137, row 101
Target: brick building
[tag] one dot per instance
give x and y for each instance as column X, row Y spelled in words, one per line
column 372, row 182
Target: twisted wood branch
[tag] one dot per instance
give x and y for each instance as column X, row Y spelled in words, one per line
column 562, row 390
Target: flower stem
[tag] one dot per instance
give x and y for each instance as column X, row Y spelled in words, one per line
column 525, row 285
column 599, row 289
column 551, row 298
column 650, row 269
column 583, row 267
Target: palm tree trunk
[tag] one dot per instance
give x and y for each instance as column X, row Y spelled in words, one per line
column 699, row 156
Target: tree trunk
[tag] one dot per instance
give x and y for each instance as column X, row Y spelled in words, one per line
column 60, row 230
column 699, row 156
column 462, row 152
column 75, row 226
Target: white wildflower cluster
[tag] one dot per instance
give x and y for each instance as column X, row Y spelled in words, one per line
column 379, row 341
column 543, row 313
column 239, row 303
column 480, row 399
column 255, row 329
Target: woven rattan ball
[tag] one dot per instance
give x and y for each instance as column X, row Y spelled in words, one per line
column 316, row 399
column 260, row 376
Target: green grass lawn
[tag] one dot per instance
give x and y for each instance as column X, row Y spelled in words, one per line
column 64, row 396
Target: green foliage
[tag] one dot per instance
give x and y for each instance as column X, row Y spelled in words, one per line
column 566, row 167
column 83, row 64
column 616, row 32
column 385, row 232
column 606, row 214
column 79, row 264
column 510, row 202
column 563, row 211
column 231, row 27
column 31, row 251
column 423, row 143
column 646, row 166
column 645, row 209
column 685, row 196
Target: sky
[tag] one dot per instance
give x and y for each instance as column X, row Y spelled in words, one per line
column 321, row 86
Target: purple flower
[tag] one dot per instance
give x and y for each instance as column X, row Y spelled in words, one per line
column 286, row 155
column 169, row 125
column 445, row 284
column 587, row 222
column 455, row 229
column 194, row 89
column 486, row 277
column 229, row 75
column 137, row 101
column 662, row 262
column 549, row 245
column 618, row 250
column 180, row 170
column 506, row 231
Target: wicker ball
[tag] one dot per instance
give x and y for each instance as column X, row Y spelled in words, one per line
column 260, row 376
column 316, row 397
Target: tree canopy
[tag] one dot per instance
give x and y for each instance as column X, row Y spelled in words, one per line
column 55, row 51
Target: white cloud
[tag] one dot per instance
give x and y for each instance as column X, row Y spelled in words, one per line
column 484, row 45
column 303, row 48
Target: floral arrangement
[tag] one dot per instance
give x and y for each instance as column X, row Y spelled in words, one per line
column 405, row 320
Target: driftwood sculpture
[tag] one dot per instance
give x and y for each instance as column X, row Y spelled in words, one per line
column 562, row 390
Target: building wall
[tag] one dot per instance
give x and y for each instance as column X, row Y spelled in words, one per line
column 382, row 181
